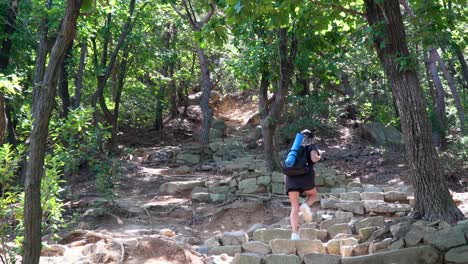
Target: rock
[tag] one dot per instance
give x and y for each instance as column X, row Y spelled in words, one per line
column 329, row 203
column 281, row 259
column 399, row 244
column 321, row 259
column 215, row 134
column 188, row 158
column 277, row 188
column 380, row 246
column 414, row 236
column 311, row 225
column 233, row 238
column 349, row 241
column 415, row 255
column 212, row 242
column 283, row 246
column 354, row 184
column 372, row 196
column 201, row 197
column 445, row 239
column 333, row 247
column 254, row 228
column 229, row 250
column 182, row 170
column 167, row 232
column 356, row 207
column 346, row 251
column 176, row 187
column 311, row 234
column 263, row 180
column 361, row 249
column 248, row 186
column 338, row 190
column 377, row 221
column 356, row 189
column 266, row 235
column 457, row 255
column 399, row 230
column 339, row 229
column 198, row 189
column 383, row 207
column 247, row 258
column 328, row 223
column 347, row 216
column 219, row 189
column 309, row 246
column 257, row 247
column 52, row 250
column 353, row 196
column 277, row 177
column 394, row 196
column 366, row 232
column 217, row 197
column 372, row 188
column 382, row 135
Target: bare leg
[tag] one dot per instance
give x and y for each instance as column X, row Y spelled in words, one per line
column 311, row 196
column 294, row 216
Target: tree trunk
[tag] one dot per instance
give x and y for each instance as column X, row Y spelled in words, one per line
column 453, row 89
column 118, row 96
column 173, row 111
column 461, row 59
column 432, row 197
column 441, row 126
column 63, row 83
column 158, row 121
column 432, row 90
column 42, row 109
column 3, row 118
column 79, row 75
column 269, row 122
column 204, row 101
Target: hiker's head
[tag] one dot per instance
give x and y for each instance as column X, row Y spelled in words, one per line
column 308, row 136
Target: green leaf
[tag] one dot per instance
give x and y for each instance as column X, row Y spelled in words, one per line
column 88, row 6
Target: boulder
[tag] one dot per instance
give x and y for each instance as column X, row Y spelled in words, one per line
column 375, row 247
column 395, row 196
column 379, row 206
column 229, row 250
column 265, row 235
column 182, row 170
column 366, row 232
column 283, row 246
column 328, row 223
column 321, row 259
column 248, row 186
column 445, row 239
column 257, row 247
column 361, row 249
column 281, row 259
column 182, row 186
column 415, row 255
column 352, row 196
column 309, row 246
column 311, row 234
column 372, row 196
column 356, row 207
column 201, row 197
column 457, row 255
column 247, row 258
column 377, row 221
column 233, row 238
column 54, row 250
column 339, row 229
column 347, row 216
column 382, row 135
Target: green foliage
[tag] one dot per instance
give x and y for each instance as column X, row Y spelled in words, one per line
column 9, row 200
column 107, row 174
column 307, row 112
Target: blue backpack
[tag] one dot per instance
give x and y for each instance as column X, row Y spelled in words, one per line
column 301, row 165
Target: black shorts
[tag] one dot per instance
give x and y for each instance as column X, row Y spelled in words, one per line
column 300, row 190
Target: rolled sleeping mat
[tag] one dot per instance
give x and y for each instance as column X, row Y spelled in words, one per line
column 291, row 158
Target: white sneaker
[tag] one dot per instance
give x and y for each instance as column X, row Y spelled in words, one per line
column 306, row 212
column 295, row 236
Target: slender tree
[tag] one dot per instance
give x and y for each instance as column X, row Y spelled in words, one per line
column 42, row 109
column 433, row 200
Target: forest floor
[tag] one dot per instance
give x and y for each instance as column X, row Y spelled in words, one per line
column 141, row 210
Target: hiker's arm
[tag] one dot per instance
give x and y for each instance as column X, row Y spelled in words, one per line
column 315, row 155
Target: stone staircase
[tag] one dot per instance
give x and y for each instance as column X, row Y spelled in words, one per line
column 355, row 224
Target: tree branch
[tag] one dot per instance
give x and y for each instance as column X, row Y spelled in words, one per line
column 407, row 8
column 209, row 15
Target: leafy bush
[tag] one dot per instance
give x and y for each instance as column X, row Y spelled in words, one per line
column 306, row 112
